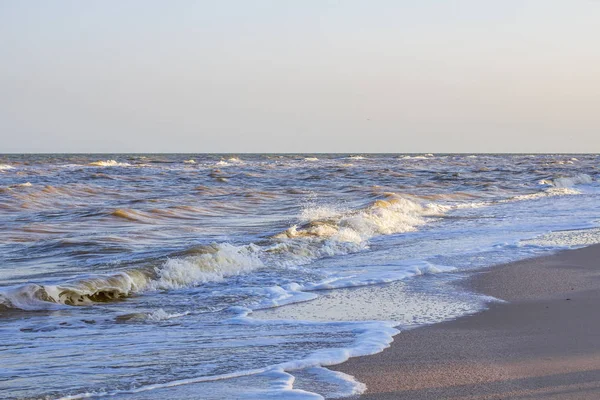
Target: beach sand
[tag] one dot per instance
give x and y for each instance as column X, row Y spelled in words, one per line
column 542, row 343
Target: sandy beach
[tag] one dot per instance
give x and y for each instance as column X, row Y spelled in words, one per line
column 543, row 342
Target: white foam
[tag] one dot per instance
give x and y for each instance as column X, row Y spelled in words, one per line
column 4, row 167
column 281, row 387
column 475, row 204
column 331, row 384
column 565, row 239
column 371, row 337
column 555, row 191
column 395, row 301
column 320, row 212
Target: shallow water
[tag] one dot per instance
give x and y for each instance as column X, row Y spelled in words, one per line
column 240, row 276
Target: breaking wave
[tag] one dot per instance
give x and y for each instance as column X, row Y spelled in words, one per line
column 211, row 263
column 4, row 167
column 109, row 163
column 394, row 214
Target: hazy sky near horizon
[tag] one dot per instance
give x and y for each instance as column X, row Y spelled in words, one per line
column 300, row 76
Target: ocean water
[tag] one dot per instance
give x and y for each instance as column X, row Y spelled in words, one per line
column 245, row 276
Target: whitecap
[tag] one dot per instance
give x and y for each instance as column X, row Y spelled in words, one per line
column 108, row 163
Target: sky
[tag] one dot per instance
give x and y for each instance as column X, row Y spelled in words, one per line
column 297, row 76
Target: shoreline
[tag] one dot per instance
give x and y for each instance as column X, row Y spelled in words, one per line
column 542, row 343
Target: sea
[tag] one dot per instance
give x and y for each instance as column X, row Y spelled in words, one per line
column 244, row 276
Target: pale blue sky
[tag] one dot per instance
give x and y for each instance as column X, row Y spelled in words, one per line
column 300, row 76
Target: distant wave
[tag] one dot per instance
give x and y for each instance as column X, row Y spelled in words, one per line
column 230, row 161
column 109, row 163
column 423, row 157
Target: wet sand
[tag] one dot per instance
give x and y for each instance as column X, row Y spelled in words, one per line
column 542, row 343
